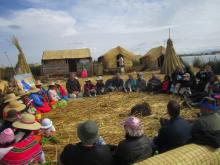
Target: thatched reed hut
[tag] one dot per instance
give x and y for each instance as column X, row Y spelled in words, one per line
column 110, row 59
column 62, row 62
column 154, row 58
column 171, row 60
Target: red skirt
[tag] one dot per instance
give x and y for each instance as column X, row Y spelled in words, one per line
column 44, row 109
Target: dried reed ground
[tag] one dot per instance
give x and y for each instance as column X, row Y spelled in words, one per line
column 108, row 111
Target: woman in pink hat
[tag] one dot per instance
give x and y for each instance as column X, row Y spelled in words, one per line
column 136, row 146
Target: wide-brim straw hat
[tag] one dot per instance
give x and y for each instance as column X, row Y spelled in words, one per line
column 51, row 84
column 27, row 122
column 99, row 78
column 14, row 105
column 87, row 80
column 10, row 97
column 38, row 82
column 58, row 82
column 34, row 90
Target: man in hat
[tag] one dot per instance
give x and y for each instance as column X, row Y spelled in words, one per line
column 174, row 132
column 100, row 86
column 89, row 89
column 87, row 151
column 73, row 86
column 206, row 129
column 141, row 83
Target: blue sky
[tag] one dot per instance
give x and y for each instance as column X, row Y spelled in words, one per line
column 137, row 25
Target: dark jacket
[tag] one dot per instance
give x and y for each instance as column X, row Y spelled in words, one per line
column 141, row 85
column 175, row 133
column 100, row 87
column 80, row 155
column 118, row 83
column 132, row 149
column 73, row 85
column 206, row 130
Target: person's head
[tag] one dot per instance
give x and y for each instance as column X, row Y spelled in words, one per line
column 153, row 76
column 173, row 109
column 166, row 78
column 117, row 76
column 132, row 127
column 143, row 109
column 72, row 76
column 11, row 115
column 88, row 81
column 130, row 77
column 14, row 105
column 38, row 84
column 46, row 123
column 140, row 75
column 208, row 105
column 52, row 85
column 87, row 132
column 99, row 79
column 186, row 76
column 208, row 68
column 7, row 137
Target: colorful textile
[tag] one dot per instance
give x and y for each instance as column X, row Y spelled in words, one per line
column 25, row 152
column 84, row 73
column 53, row 96
column 44, row 109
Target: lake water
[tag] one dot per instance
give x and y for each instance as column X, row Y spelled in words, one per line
column 204, row 58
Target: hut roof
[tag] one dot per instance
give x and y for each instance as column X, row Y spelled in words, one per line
column 66, row 54
column 116, row 51
column 154, row 53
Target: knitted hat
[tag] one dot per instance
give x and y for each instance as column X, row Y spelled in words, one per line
column 7, row 136
column 27, row 122
column 132, row 122
column 10, row 97
column 46, row 123
column 87, row 132
column 11, row 115
column 22, row 93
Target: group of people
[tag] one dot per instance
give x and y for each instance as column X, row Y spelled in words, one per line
column 23, row 130
column 136, row 146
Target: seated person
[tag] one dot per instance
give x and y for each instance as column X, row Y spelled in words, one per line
column 89, row 89
column 206, row 129
column 136, row 146
column 141, row 83
column 143, row 109
column 213, row 86
column 38, row 101
column 47, row 129
column 100, row 86
column 73, row 86
column 176, row 76
column 43, row 91
column 7, row 140
column 185, row 85
column 118, row 83
column 174, row 132
column 202, row 79
column 52, row 93
column 165, row 87
column 30, row 151
column 130, row 84
column 108, row 85
column 154, row 84
column 87, row 151
column 61, row 90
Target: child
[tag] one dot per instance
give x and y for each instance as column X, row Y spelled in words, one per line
column 166, row 84
column 47, row 128
column 84, row 73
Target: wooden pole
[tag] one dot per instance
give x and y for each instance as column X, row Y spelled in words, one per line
column 169, row 33
column 10, row 62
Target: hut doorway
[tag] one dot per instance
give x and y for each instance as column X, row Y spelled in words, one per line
column 120, row 61
column 160, row 61
column 72, row 65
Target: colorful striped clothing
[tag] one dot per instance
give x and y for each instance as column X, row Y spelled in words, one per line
column 25, row 152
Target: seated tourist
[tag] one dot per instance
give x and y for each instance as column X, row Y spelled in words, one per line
column 7, row 140
column 142, row 109
column 61, row 90
column 108, row 85
column 89, row 89
column 38, row 101
column 136, row 146
column 213, row 85
column 154, row 84
column 185, row 85
column 118, row 83
column 174, row 132
column 52, row 93
column 176, row 76
column 100, row 86
column 130, row 84
column 165, row 86
column 202, row 78
column 206, row 129
column 73, row 86
column 26, row 150
column 141, row 83
column 87, row 151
